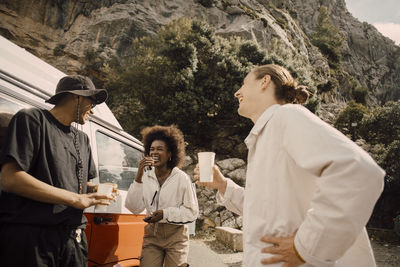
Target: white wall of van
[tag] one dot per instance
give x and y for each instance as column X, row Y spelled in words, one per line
column 27, row 81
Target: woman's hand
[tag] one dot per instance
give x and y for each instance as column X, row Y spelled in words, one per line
column 154, row 217
column 219, row 181
column 283, row 250
column 146, row 161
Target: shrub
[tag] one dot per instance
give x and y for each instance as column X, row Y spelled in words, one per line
column 206, row 3
column 313, row 104
column 328, row 87
column 328, row 39
column 360, row 95
column 350, row 118
column 249, row 51
column 382, row 126
column 387, row 207
column 59, row 50
column 381, row 129
column 265, row 22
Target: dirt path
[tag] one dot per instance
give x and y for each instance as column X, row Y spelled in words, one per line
column 386, row 254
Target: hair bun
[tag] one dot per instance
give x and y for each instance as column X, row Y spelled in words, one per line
column 302, row 94
column 290, row 92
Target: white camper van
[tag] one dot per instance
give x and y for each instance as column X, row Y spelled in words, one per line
column 114, row 237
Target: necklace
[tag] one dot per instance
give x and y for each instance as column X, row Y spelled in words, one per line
column 161, row 179
column 79, row 165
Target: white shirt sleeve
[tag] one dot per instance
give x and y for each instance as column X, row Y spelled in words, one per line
column 189, row 209
column 233, row 198
column 134, row 199
column 348, row 186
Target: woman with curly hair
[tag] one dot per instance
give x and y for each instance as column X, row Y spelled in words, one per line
column 167, row 194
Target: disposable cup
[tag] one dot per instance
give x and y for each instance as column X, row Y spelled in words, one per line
column 103, row 189
column 206, row 163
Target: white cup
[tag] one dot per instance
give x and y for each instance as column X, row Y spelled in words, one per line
column 206, row 163
column 103, row 189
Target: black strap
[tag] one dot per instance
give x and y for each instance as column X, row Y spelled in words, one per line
column 79, row 165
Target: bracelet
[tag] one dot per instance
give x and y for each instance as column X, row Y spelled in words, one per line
column 297, row 253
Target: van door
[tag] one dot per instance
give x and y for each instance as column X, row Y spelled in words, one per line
column 114, row 236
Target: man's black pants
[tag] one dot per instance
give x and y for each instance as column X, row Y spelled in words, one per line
column 42, row 246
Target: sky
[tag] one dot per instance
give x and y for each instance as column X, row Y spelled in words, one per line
column 383, row 14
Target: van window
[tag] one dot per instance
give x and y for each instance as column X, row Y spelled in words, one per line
column 6, row 106
column 118, row 162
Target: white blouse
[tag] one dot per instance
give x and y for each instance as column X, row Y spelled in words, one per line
column 176, row 197
column 303, row 175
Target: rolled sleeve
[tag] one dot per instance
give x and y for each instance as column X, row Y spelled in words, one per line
column 233, row 197
column 311, row 260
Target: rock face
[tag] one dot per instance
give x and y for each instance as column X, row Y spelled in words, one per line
column 370, row 57
column 69, row 33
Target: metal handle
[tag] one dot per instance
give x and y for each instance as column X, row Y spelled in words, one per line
column 99, row 220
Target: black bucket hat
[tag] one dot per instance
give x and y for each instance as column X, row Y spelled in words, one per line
column 78, row 85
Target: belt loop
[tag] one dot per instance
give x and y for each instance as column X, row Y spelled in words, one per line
column 155, row 228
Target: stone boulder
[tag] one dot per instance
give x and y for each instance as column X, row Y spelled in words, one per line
column 213, row 214
column 231, row 164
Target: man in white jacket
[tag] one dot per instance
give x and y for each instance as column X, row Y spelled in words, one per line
column 309, row 189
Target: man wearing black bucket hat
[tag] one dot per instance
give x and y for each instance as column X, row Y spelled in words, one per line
column 45, row 166
column 78, row 85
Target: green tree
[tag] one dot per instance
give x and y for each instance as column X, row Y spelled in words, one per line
column 328, row 86
column 381, row 129
column 186, row 75
column 387, row 207
column 328, row 39
column 382, row 126
column 350, row 119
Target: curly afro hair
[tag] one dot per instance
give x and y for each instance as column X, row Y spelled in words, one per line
column 172, row 136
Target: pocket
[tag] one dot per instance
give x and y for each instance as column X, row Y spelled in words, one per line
column 84, row 245
column 185, row 232
column 179, row 231
column 148, row 230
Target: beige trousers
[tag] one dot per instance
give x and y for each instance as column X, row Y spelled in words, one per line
column 165, row 243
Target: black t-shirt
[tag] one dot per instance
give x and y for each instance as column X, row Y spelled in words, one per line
column 44, row 148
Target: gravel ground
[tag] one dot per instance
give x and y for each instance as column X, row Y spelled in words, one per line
column 228, row 256
column 387, row 254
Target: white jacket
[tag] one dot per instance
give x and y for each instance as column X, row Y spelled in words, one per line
column 304, row 175
column 176, row 197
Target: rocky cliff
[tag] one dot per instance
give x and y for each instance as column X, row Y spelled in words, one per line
column 70, row 33
column 75, row 35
